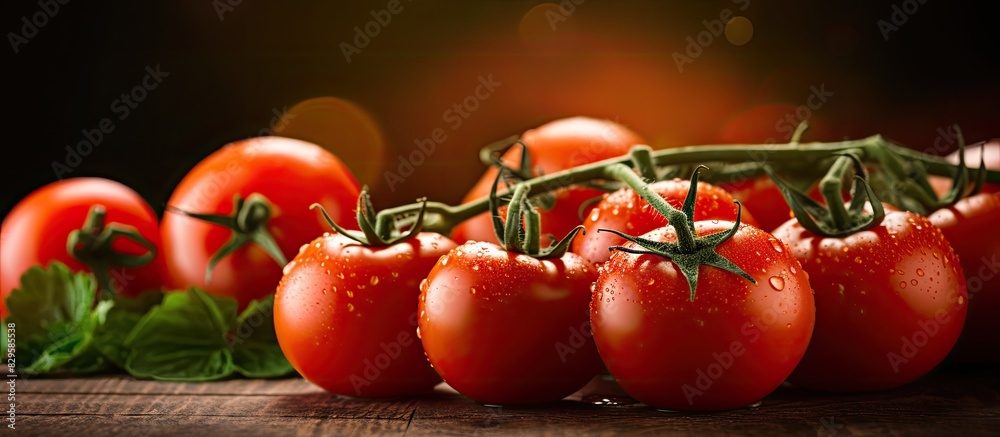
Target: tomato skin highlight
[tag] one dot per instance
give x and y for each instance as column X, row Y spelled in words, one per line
column 346, row 315
column 625, row 211
column 730, row 347
column 554, row 146
column 890, row 303
column 292, row 174
column 970, row 227
column 35, row 232
column 505, row 328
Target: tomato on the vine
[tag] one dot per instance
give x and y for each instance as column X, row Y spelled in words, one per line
column 890, row 303
column 728, row 346
column 37, row 230
column 276, row 179
column 624, row 210
column 552, row 147
column 345, row 314
column 507, row 328
column 970, row 227
column 988, row 154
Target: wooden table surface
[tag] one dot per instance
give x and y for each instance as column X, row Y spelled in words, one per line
column 962, row 402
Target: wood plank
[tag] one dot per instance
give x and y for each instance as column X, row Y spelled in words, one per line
column 124, row 384
column 305, row 405
column 216, row 426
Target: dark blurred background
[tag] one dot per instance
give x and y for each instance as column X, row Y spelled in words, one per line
column 240, row 70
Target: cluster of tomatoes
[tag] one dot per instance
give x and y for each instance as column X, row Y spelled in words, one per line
column 868, row 311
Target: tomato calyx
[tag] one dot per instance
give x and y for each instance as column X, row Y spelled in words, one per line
column 834, row 219
column 91, row 245
column 521, row 233
column 690, row 251
column 371, row 233
column 247, row 222
column 960, row 182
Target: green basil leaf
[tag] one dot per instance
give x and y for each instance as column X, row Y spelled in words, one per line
column 109, row 337
column 183, row 339
column 254, row 344
column 52, row 318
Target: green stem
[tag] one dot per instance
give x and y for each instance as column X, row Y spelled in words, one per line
column 442, row 217
column 832, row 185
column 685, row 235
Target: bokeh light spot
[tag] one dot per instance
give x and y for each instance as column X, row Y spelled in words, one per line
column 739, row 31
column 342, row 127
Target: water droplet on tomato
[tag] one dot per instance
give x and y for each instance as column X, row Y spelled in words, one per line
column 793, row 269
column 350, row 308
column 902, row 284
column 373, row 280
column 651, row 281
column 472, row 290
column 444, row 260
column 788, row 325
column 350, row 294
column 913, row 282
column 777, row 282
column 961, row 300
column 594, row 215
column 777, row 246
column 920, row 272
column 475, row 267
column 328, row 271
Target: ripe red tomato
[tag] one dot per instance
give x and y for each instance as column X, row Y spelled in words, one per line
column 890, row 303
column 291, row 174
column 728, row 348
column 624, row 210
column 554, row 146
column 506, row 328
column 36, row 231
column 970, row 227
column 989, row 154
column 346, row 314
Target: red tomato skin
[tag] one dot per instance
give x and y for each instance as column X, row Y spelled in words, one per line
column 504, row 328
column 292, row 174
column 990, row 155
column 761, row 198
column 554, row 146
column 878, row 293
column 625, row 211
column 346, row 315
column 35, row 232
column 970, row 226
column 730, row 347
